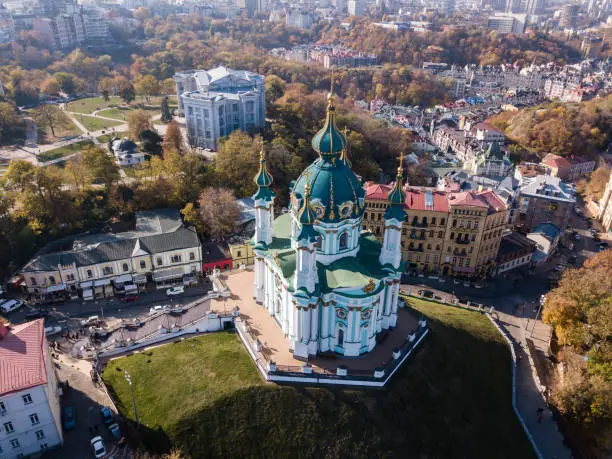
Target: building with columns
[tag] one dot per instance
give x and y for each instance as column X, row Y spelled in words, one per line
column 330, row 286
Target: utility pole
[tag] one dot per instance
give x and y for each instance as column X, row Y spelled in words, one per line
column 128, row 378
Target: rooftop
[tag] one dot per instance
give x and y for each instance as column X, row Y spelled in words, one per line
column 514, row 242
column 556, row 161
column 548, row 187
column 547, row 229
column 22, row 356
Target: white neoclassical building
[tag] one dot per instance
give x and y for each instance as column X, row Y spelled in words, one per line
column 218, row 101
column 328, row 285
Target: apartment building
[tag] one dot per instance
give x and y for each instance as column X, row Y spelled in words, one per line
column 605, row 207
column 447, row 233
column 30, row 416
column 217, row 102
column 160, row 250
column 545, row 199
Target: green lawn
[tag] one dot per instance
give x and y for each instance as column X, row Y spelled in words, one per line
column 106, row 137
column 64, row 151
column 91, row 104
column 452, row 399
column 96, row 124
column 121, row 113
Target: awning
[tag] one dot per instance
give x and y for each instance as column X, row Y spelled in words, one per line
column 101, row 282
column 130, row 287
column 123, row 279
column 56, row 288
column 173, row 273
column 87, row 284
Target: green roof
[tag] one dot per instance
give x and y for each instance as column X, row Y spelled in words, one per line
column 329, row 140
column 348, row 272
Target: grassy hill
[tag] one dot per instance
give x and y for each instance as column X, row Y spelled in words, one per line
column 452, row 399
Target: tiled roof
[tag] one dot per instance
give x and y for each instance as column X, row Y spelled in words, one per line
column 377, row 191
column 556, row 161
column 418, row 200
column 22, row 357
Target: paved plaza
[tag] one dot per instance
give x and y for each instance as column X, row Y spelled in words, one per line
column 275, row 346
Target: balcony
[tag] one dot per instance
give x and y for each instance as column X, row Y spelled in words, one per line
column 462, row 241
column 419, row 224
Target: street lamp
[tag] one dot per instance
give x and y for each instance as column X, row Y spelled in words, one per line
column 542, row 301
column 128, row 378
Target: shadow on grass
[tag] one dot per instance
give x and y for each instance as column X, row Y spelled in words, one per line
column 453, row 399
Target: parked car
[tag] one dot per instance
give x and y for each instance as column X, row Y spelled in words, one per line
column 156, row 309
column 135, row 324
column 577, row 237
column 11, row 305
column 115, row 431
column 50, row 331
column 36, row 314
column 91, row 320
column 107, row 415
column 178, row 290
column 97, row 447
column 68, row 418
column 426, row 293
column 129, row 298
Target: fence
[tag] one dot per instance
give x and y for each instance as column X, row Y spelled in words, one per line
column 309, row 374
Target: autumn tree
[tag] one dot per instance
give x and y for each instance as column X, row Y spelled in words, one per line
column 219, row 212
column 596, row 185
column 51, row 116
column 138, row 121
column 237, row 161
column 101, row 166
column 173, row 139
column 50, row 87
column 166, row 115
column 191, row 216
column 77, row 173
column 12, row 126
column 147, row 86
column 65, row 82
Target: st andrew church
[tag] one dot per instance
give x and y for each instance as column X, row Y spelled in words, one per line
column 329, row 286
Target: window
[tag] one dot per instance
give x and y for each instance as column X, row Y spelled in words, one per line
column 8, row 427
column 454, row 260
column 27, row 399
column 89, row 274
column 238, row 253
column 319, row 242
column 175, row 259
column 34, row 419
column 475, row 225
column 437, row 246
column 467, row 262
column 159, row 261
column 440, row 234
column 44, row 446
column 433, row 220
column 107, row 270
column 15, row 443
column 424, row 221
column 40, row 434
column 143, row 264
column 431, row 233
column 52, row 280
column 192, row 256
column 442, row 221
column 454, row 223
column 32, row 281
column 2, row 407
column 70, row 277
column 125, row 267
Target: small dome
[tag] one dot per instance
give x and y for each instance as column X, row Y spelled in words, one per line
column 263, row 180
column 329, row 141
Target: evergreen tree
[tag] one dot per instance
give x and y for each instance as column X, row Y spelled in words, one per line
column 150, row 142
column 166, row 115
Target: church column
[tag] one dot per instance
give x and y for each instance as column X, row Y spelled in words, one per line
column 314, row 329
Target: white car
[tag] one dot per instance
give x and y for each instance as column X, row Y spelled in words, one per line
column 50, row 331
column 11, row 305
column 156, row 309
column 91, row 320
column 577, row 237
column 97, row 447
column 172, row 291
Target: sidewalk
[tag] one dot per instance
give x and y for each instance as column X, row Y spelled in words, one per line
column 529, row 396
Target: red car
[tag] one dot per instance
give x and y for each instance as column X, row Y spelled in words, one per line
column 129, row 298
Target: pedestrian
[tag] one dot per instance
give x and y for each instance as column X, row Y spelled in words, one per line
column 539, row 414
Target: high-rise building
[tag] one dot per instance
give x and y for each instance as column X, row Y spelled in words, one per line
column 569, row 16
column 356, row 7
column 544, row 199
column 605, row 207
column 7, row 26
column 250, row 6
column 507, row 23
column 218, row 101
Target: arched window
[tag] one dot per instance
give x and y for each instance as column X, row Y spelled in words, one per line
column 340, row 338
column 125, row 267
column 52, row 280
column 343, row 241
column 319, row 242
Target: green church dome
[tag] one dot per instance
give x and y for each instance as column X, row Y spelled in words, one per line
column 263, row 180
column 329, row 141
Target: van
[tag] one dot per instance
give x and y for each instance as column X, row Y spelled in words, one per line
column 11, row 305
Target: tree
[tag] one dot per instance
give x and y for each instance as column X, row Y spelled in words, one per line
column 237, row 162
column 12, row 126
column 597, row 184
column 275, row 88
column 191, row 216
column 219, row 212
column 105, row 95
column 166, row 115
column 51, row 116
column 127, row 93
column 50, row 87
column 77, row 173
column 147, row 86
column 173, row 139
column 65, row 82
column 151, row 142
column 101, row 166
column 138, row 121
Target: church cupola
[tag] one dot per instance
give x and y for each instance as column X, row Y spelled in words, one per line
column 330, row 142
column 264, row 203
column 391, row 251
column 306, row 267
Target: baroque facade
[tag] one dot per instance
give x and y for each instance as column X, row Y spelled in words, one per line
column 330, row 287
